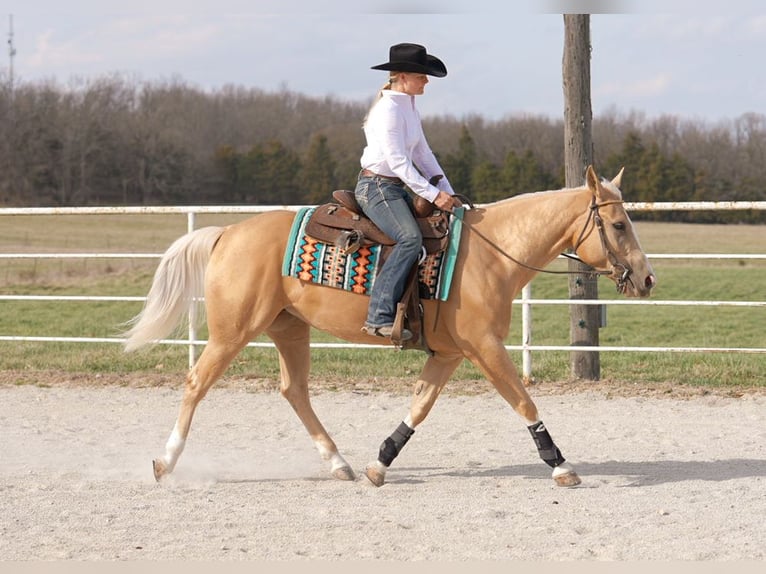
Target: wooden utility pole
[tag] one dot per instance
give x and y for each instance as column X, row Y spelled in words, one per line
column 578, row 154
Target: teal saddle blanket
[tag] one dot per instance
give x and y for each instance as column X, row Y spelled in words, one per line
column 310, row 260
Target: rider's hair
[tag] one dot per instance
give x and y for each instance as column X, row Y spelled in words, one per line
column 392, row 77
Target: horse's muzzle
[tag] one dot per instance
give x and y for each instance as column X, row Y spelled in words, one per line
column 627, row 286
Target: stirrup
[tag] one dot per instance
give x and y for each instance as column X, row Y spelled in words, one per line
column 386, row 331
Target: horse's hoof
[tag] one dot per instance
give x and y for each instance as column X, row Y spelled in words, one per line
column 376, row 473
column 567, row 479
column 159, row 469
column 344, row 473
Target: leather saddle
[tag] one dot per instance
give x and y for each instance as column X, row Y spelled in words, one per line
column 343, row 223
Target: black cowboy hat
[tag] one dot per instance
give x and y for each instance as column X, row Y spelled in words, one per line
column 412, row 58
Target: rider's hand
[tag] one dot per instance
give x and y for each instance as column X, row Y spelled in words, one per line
column 444, row 201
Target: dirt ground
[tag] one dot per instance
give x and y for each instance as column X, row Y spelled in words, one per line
column 668, row 474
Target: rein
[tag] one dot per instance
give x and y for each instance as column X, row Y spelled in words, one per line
column 594, row 220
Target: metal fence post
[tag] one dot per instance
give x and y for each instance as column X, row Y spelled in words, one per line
column 526, row 332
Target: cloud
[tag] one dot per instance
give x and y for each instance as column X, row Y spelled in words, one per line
column 167, row 36
column 50, row 54
column 643, row 88
column 119, row 42
column 756, row 26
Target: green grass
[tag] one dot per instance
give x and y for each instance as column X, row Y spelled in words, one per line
column 646, row 325
column 627, row 325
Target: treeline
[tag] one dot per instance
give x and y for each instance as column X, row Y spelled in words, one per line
column 115, row 141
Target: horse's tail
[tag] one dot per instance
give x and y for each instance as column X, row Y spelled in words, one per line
column 179, row 283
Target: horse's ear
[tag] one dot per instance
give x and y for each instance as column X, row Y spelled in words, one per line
column 591, row 179
column 618, row 178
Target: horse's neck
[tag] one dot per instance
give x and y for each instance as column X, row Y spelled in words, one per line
column 537, row 227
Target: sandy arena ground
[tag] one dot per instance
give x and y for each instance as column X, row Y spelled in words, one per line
column 665, row 477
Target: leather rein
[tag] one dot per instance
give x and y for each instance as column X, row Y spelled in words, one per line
column 594, row 220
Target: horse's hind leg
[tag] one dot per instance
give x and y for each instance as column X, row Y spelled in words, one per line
column 292, row 337
column 209, row 367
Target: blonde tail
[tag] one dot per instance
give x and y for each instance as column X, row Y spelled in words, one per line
column 178, row 283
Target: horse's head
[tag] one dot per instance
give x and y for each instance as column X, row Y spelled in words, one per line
column 608, row 241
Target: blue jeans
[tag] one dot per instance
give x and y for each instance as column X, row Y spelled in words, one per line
column 388, row 206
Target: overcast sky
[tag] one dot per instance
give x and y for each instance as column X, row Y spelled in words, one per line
column 695, row 59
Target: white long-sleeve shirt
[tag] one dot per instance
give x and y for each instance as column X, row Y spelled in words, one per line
column 396, row 144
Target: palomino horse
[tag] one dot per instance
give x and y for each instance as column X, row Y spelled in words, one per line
column 503, row 245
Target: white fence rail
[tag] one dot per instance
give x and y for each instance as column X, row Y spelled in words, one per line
column 526, row 301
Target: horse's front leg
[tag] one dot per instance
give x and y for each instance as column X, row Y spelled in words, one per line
column 493, row 360
column 436, row 372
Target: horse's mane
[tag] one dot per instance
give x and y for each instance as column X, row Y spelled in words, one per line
column 531, row 194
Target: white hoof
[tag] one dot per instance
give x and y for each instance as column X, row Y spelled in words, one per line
column 159, row 468
column 343, row 473
column 376, row 473
column 564, row 475
column 339, row 468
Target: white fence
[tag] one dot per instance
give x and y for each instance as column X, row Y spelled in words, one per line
column 526, row 301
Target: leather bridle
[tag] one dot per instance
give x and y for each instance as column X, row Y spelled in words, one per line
column 623, row 269
column 594, row 220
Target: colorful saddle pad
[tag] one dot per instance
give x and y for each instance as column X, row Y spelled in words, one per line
column 310, row 260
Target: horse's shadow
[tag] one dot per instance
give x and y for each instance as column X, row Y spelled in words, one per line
column 630, row 474
column 633, row 473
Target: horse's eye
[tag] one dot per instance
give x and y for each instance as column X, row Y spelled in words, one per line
column 619, row 226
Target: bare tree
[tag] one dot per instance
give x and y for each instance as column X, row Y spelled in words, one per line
column 116, row 140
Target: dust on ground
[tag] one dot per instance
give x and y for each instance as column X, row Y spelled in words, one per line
column 667, row 473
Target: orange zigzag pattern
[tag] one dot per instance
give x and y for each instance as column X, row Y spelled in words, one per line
column 308, row 256
column 360, row 270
